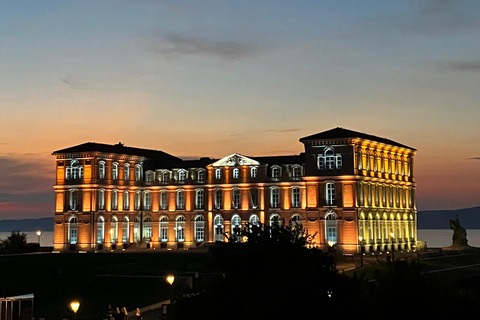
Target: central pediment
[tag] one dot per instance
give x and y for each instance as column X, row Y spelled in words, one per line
column 235, row 160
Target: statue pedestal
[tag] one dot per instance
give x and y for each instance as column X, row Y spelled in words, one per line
column 457, row 248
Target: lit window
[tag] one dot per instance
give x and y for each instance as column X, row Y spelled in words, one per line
column 114, row 200
column 148, row 200
column 275, row 172
column 295, row 197
column 330, row 161
column 274, row 220
column 115, row 171
column 126, row 171
column 72, row 230
column 164, row 229
column 114, row 230
column 254, row 172
column 199, row 199
column 126, row 230
column 218, row 228
column 199, row 229
column 296, row 221
column 101, row 170
column 254, row 220
column 100, row 230
column 165, row 176
column 330, row 191
column 254, row 198
column 297, row 172
column 73, row 199
column 236, row 225
column 101, row 199
column 180, row 228
column 201, row 175
column 236, row 198
column 137, row 200
column 136, row 230
column 138, row 172
column 163, row 200
column 274, row 197
column 182, row 175
column 218, row 199
column 149, row 176
column 218, row 173
column 147, row 229
column 74, row 171
column 331, row 227
column 236, row 173
column 180, row 199
column 126, row 201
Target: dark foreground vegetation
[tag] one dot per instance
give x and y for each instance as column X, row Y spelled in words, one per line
column 270, row 274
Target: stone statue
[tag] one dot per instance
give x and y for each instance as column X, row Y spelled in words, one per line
column 459, row 234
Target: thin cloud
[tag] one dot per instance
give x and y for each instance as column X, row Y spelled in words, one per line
column 174, row 46
column 474, row 158
column 469, row 66
column 75, row 82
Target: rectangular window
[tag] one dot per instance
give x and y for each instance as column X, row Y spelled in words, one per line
column 148, row 201
column 180, row 200
column 199, row 199
column 296, row 198
column 163, row 200
column 218, row 199
column 101, row 199
column 236, row 198
column 126, row 201
column 330, row 193
column 274, row 197
column 254, row 198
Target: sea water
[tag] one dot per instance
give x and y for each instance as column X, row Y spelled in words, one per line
column 434, row 237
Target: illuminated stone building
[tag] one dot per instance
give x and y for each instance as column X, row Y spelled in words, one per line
column 346, row 185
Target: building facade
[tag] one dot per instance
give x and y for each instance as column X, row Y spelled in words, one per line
column 352, row 189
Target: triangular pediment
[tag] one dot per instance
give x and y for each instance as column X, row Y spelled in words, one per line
column 235, row 160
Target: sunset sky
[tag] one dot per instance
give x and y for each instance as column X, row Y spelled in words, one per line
column 210, row 78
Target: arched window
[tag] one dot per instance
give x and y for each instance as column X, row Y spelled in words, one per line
column 218, row 173
column 101, row 199
column 236, row 198
column 201, row 175
column 274, row 197
column 149, row 176
column 218, row 228
column 182, row 175
column 148, row 200
column 331, row 227
column 72, row 230
column 74, row 170
column 138, row 172
column 147, row 228
column 163, row 199
column 164, row 229
column 218, row 199
column 295, row 197
column 274, row 220
column 254, row 172
column 73, row 198
column 330, row 161
column 114, row 230
column 136, row 230
column 297, row 172
column 180, row 228
column 199, row 199
column 275, row 172
column 236, row 225
column 126, row 171
column 199, row 229
column 101, row 170
column 296, row 221
column 125, row 229
column 254, row 220
column 180, row 200
column 236, row 173
column 115, row 171
column 115, row 200
column 165, row 176
column 126, row 201
column 100, row 230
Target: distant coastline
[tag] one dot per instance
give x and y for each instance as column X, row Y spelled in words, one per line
column 428, row 219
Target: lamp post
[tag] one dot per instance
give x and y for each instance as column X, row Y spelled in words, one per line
column 39, row 233
column 74, row 305
column 392, row 235
column 360, row 239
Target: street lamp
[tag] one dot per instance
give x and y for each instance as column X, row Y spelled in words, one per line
column 361, row 250
column 170, row 279
column 39, row 233
column 74, row 305
column 393, row 246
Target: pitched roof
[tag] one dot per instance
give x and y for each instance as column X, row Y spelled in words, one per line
column 117, row 149
column 345, row 133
